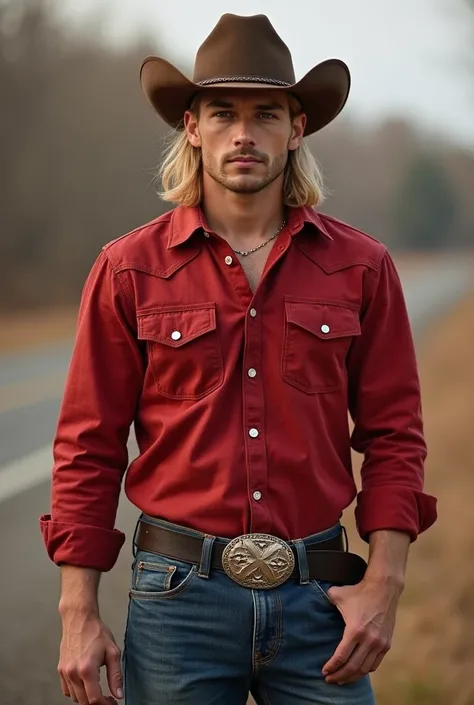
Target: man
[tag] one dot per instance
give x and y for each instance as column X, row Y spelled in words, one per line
column 235, row 332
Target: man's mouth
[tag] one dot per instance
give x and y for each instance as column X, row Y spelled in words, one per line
column 245, row 160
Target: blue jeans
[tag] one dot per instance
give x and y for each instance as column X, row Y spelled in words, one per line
column 195, row 637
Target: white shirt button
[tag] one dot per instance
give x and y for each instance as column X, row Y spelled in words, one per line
column 176, row 335
column 228, row 259
column 253, row 312
column 257, row 495
column 253, row 433
column 325, row 328
column 206, row 235
column 252, row 372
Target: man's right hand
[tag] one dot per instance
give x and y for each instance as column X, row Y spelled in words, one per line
column 87, row 645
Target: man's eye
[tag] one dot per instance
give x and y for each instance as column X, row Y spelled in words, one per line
column 223, row 114
column 268, row 116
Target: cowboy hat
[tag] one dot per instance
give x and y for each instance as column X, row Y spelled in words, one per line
column 246, row 52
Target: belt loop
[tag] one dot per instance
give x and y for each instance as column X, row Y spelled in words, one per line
column 206, row 553
column 302, row 561
column 346, row 540
column 134, row 547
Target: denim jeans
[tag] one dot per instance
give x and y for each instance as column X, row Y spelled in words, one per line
column 195, row 637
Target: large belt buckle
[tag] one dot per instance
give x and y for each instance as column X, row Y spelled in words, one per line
column 258, row 561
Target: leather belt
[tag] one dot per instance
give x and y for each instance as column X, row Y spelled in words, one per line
column 256, row 560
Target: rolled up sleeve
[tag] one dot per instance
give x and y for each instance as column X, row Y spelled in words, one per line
column 385, row 405
column 90, row 452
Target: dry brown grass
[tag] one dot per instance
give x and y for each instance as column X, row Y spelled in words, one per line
column 432, row 659
column 20, row 331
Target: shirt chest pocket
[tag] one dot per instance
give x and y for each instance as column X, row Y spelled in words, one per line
column 183, row 349
column 316, row 340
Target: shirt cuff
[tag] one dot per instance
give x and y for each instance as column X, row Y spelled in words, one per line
column 396, row 508
column 81, row 545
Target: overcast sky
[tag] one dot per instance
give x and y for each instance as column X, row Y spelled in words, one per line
column 406, row 56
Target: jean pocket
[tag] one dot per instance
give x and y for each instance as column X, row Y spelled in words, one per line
column 320, row 589
column 157, row 577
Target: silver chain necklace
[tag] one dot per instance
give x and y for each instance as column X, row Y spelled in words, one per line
column 249, row 252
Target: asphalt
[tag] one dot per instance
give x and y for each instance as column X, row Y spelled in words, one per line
column 30, row 393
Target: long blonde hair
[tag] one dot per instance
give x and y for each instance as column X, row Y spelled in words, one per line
column 180, row 171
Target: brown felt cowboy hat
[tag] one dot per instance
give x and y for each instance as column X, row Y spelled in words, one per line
column 246, row 52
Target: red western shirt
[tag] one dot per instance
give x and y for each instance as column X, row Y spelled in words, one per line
column 239, row 400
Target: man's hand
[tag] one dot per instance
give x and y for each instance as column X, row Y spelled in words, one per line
column 369, row 611
column 87, row 644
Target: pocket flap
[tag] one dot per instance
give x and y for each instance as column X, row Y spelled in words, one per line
column 325, row 319
column 176, row 325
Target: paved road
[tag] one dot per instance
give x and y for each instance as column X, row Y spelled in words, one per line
column 30, row 392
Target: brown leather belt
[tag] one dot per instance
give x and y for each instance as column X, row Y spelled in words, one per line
column 257, row 560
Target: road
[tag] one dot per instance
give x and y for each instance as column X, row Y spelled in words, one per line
column 30, row 393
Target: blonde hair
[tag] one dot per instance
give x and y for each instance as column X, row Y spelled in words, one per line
column 180, row 171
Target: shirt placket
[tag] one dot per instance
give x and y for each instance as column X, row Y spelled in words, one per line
column 252, row 388
column 254, row 420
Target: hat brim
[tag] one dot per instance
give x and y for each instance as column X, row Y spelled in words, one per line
column 323, row 91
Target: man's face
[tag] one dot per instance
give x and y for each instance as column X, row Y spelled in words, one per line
column 245, row 136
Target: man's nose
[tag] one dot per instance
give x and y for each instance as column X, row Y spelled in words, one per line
column 243, row 136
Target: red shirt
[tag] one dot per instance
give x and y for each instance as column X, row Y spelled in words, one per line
column 240, row 400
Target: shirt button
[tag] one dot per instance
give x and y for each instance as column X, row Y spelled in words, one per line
column 176, row 335
column 325, row 329
column 257, row 495
column 206, row 234
column 253, row 312
column 228, row 259
column 253, row 433
column 252, row 372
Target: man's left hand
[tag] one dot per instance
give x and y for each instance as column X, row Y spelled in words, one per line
column 369, row 610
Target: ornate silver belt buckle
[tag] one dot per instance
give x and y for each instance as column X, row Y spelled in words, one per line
column 258, row 561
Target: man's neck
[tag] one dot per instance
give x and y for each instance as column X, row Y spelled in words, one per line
column 244, row 218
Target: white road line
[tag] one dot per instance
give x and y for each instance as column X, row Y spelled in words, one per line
column 25, row 473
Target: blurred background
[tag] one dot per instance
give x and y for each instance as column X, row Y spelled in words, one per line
column 78, row 149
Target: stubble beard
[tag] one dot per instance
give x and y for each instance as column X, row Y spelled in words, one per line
column 245, row 184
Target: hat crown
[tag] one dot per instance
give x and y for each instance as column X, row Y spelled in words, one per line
column 244, row 47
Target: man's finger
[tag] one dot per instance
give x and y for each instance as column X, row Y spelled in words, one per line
column 71, row 690
column 378, row 661
column 75, row 682
column 114, row 671
column 335, row 593
column 64, row 686
column 90, row 686
column 363, row 669
column 351, row 667
column 342, row 654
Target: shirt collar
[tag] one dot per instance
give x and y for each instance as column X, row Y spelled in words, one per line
column 299, row 217
column 186, row 221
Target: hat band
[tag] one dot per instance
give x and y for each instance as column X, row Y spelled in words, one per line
column 242, row 79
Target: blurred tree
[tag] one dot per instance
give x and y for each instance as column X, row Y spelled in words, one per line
column 425, row 206
column 363, row 167
column 78, row 144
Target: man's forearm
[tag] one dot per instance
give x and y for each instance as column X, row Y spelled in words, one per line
column 388, row 556
column 79, row 590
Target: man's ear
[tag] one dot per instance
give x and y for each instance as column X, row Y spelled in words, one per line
column 192, row 128
column 297, row 131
